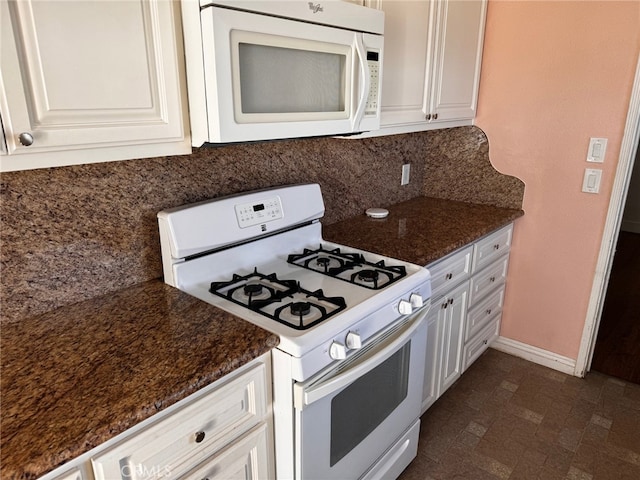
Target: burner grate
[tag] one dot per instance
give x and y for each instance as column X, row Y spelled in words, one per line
column 349, row 267
column 284, row 301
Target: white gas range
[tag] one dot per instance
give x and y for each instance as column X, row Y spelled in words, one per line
column 348, row 370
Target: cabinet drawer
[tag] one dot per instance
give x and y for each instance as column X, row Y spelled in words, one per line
column 483, row 312
column 488, row 279
column 247, row 458
column 491, row 247
column 480, row 343
column 74, row 474
column 450, row 271
column 176, row 443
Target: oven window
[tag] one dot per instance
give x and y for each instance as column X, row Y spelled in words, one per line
column 363, row 405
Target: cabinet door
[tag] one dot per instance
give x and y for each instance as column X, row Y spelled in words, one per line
column 432, row 358
column 453, row 309
column 81, row 76
column 406, row 31
column 175, row 444
column 455, row 59
column 246, row 459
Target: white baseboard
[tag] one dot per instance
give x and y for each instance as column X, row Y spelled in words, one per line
column 535, row 355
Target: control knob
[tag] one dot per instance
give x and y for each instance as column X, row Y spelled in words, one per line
column 337, row 351
column 416, row 300
column 404, row 307
column 353, row 341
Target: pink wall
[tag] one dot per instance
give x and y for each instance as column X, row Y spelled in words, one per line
column 554, row 74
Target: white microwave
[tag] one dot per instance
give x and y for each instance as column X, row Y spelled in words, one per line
column 261, row 70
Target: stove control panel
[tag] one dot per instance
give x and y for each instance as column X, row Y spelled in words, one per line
column 250, row 214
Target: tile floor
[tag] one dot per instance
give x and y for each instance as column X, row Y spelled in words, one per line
column 507, row 418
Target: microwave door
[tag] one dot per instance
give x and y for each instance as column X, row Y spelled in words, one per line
column 363, row 83
column 370, row 53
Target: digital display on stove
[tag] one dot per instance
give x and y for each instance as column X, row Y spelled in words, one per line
column 258, row 207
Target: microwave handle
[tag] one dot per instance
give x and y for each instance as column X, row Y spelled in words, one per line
column 306, row 395
column 366, row 77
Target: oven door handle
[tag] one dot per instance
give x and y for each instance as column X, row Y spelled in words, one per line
column 308, row 394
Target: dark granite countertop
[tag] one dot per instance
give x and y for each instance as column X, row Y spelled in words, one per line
column 422, row 229
column 79, row 375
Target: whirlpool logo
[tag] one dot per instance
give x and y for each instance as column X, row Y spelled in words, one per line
column 315, row 7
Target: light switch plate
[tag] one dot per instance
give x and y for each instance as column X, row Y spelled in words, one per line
column 591, row 181
column 597, row 149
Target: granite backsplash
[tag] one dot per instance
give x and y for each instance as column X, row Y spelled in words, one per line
column 73, row 233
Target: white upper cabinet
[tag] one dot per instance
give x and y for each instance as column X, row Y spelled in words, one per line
column 86, row 81
column 431, row 71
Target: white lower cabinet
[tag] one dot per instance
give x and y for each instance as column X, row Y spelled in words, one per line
column 73, row 474
column 480, row 342
column 225, row 431
column 246, row 459
column 451, row 312
column 445, row 335
column 468, row 296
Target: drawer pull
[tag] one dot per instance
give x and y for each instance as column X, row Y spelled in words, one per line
column 449, row 276
column 451, row 301
column 496, row 246
column 492, row 279
column 485, row 342
column 444, row 305
column 488, row 311
column 200, row 437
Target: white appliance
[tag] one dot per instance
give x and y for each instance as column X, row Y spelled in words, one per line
column 349, row 367
column 259, row 70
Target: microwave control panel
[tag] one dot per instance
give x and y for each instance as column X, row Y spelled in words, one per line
column 374, row 75
column 249, row 214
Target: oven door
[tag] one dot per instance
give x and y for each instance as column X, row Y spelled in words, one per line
column 349, row 417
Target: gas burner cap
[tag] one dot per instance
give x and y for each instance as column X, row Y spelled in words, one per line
column 368, row 275
column 301, row 308
column 323, row 261
column 253, row 289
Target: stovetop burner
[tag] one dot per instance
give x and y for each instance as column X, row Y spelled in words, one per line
column 284, row 301
column 350, row 267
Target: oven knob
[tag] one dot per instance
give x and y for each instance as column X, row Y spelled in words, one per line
column 353, row 341
column 416, row 300
column 404, row 307
column 337, row 351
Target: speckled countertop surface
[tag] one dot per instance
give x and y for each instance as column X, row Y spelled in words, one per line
column 422, row 229
column 79, row 375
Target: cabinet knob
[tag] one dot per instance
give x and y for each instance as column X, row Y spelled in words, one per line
column 488, row 311
column 496, row 246
column 200, row 437
column 428, row 116
column 25, row 138
column 435, row 116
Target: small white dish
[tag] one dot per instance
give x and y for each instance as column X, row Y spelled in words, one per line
column 377, row 212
